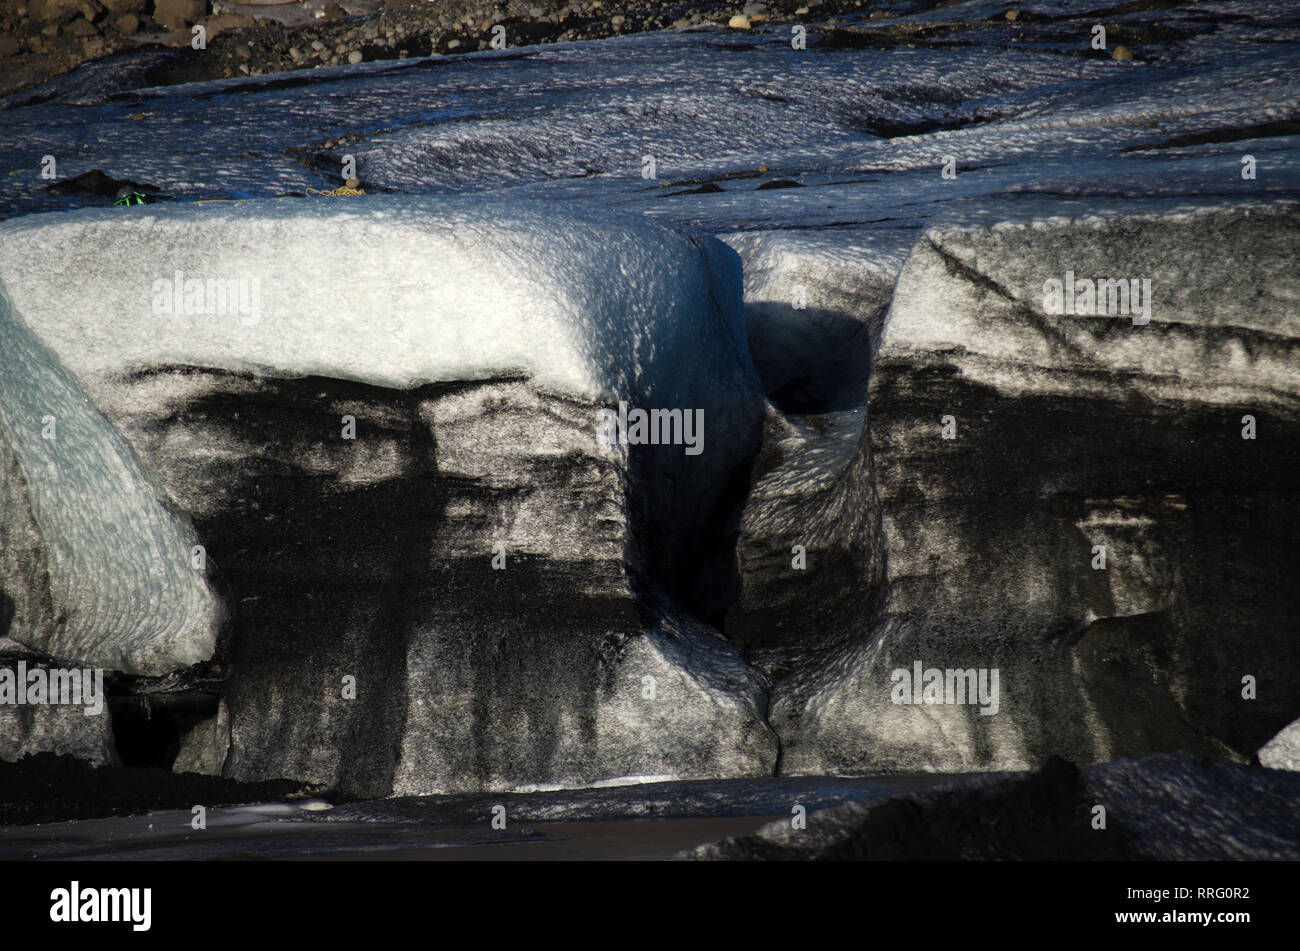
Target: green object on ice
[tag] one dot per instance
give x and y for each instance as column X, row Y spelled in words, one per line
column 131, row 198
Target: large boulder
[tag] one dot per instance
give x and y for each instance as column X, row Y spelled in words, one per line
column 394, row 448
column 33, row 723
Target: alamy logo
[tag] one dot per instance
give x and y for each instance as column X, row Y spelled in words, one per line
column 213, row 296
column 656, row 427
column 75, row 903
column 1118, row 297
column 54, row 687
column 922, row 685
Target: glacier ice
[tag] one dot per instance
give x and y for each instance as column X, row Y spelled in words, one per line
column 955, row 553
column 392, row 461
column 391, row 291
column 99, row 568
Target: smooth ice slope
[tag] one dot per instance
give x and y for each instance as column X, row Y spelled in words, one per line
column 394, row 292
column 94, row 568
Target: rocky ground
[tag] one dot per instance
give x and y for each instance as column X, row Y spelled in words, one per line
column 44, row 38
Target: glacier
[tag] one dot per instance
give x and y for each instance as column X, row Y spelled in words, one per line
column 98, row 566
column 402, row 447
column 799, row 266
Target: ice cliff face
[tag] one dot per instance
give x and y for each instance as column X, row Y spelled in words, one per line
column 438, row 574
column 1099, row 505
column 995, row 349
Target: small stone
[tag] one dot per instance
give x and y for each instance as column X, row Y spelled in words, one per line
column 227, row 21
column 1121, row 52
column 801, row 11
column 81, row 27
column 317, row 45
column 454, row 45
column 739, row 22
column 53, row 11
column 355, row 57
column 616, row 21
column 177, row 14
column 9, row 46
column 1012, row 15
column 128, row 24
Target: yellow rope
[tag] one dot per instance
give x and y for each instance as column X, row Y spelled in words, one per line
column 340, row 192
column 353, row 187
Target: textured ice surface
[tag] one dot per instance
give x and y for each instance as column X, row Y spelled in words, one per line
column 98, row 569
column 471, row 341
column 1072, row 431
column 822, row 168
column 864, row 129
column 1168, row 806
column 1283, row 751
column 393, row 292
column 1219, row 313
column 36, row 728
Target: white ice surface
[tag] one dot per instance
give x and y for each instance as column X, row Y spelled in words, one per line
column 395, row 292
column 1283, row 751
column 122, row 588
